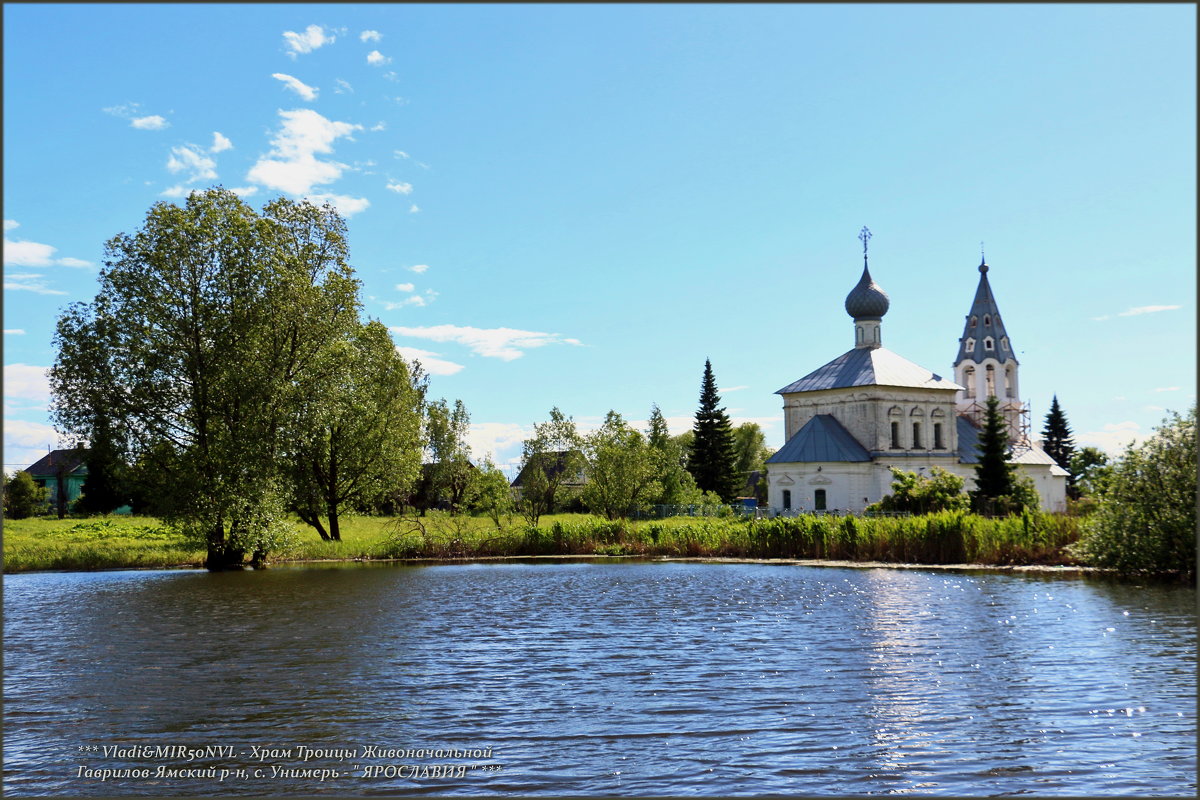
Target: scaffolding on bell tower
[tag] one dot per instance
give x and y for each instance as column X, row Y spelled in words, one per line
column 1016, row 414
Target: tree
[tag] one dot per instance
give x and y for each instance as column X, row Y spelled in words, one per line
column 23, row 497
column 1090, row 472
column 451, row 473
column 106, row 487
column 711, row 461
column 994, row 475
column 622, row 469
column 207, row 330
column 918, row 494
column 676, row 484
column 1146, row 520
column 493, row 496
column 357, row 442
column 550, row 458
column 750, row 447
column 1056, row 437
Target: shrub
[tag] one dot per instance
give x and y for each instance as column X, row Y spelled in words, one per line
column 23, row 497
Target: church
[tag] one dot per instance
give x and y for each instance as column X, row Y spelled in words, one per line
column 848, row 422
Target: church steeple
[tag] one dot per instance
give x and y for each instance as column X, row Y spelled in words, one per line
column 984, row 335
column 866, row 303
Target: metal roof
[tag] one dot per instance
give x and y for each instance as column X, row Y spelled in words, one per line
column 821, row 439
column 866, row 366
column 968, row 450
column 984, row 308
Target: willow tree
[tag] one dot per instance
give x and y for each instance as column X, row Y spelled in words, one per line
column 207, row 331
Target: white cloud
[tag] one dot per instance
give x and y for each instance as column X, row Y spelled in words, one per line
column 506, row 344
column 342, row 87
column 9, row 224
column 370, row 36
column 27, row 283
column 292, row 165
column 414, row 208
column 415, row 300
column 14, row 331
column 151, row 123
column 377, row 59
column 347, row 206
column 21, row 253
column 391, row 76
column 432, row 364
column 1113, row 438
column 419, row 268
column 244, row 191
column 728, row 389
column 1133, row 312
column 400, row 188
column 400, row 154
column 299, row 87
column 1168, row 389
column 314, row 36
column 25, row 442
column 220, row 143
column 26, row 383
column 379, row 126
column 404, row 287
column 503, row 440
column 178, row 190
column 191, row 159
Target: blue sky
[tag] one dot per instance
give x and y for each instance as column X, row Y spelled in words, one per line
column 575, row 205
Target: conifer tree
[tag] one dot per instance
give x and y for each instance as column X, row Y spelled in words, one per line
column 1056, row 436
column 994, row 476
column 713, row 456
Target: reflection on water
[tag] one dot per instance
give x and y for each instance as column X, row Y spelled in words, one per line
column 603, row 679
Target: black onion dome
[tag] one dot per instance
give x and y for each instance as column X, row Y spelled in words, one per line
column 866, row 300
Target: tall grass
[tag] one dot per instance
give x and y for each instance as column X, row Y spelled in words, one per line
column 941, row 538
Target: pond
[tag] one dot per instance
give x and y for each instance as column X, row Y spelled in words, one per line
column 596, row 678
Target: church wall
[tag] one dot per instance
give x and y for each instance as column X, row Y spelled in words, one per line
column 1051, row 489
column 868, row 415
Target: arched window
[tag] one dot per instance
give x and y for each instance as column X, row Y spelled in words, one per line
column 970, row 344
column 916, row 435
column 974, row 321
column 938, row 444
column 819, row 499
column 1004, row 343
column 1010, row 382
column 858, row 334
column 895, row 435
column 991, row 381
column 987, row 319
column 969, row 381
column 787, row 499
column 988, row 343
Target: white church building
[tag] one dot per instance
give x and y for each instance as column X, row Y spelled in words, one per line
column 846, row 423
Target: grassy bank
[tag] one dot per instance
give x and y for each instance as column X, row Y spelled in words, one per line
column 945, row 538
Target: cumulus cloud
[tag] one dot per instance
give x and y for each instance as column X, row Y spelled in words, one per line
column 502, row 440
column 21, row 253
column 430, row 361
column 419, row 268
column 314, row 36
column 14, row 282
column 370, row 36
column 505, row 344
column 400, row 188
column 151, row 123
column 404, row 287
column 27, row 383
column 296, row 85
column 292, row 165
column 191, row 159
column 25, row 442
column 347, row 206
column 379, row 126
column 377, row 59
column 244, row 191
column 220, row 143
column 1113, row 437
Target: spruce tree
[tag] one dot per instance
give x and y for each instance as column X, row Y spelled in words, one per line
column 713, row 456
column 1056, row 436
column 994, row 476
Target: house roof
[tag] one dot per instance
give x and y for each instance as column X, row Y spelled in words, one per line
column 984, row 308
column 864, row 366
column 968, row 450
column 67, row 461
column 560, row 457
column 821, row 439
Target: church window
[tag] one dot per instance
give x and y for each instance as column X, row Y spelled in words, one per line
column 991, row 381
column 1004, row 343
column 937, row 437
column 1010, row 382
column 916, row 435
column 974, row 321
column 969, row 380
column 819, row 499
column 858, row 334
column 970, row 344
column 895, row 435
column 988, row 344
column 787, row 499
column 987, row 319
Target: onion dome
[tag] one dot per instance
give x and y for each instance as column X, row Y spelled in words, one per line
column 866, row 300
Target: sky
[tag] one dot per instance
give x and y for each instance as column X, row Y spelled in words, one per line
column 574, row 206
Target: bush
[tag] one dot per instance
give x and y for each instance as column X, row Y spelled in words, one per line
column 1146, row 519
column 23, row 497
column 916, row 494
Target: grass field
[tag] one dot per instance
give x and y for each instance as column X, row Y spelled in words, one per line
column 947, row 538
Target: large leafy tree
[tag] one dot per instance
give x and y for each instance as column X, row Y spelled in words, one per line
column 210, row 324
column 750, row 448
column 1146, row 520
column 676, row 484
column 1090, row 472
column 1056, row 436
column 994, row 476
column 713, row 456
column 622, row 469
column 451, row 474
column 551, row 458
column 23, row 497
column 106, row 487
column 356, row 444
